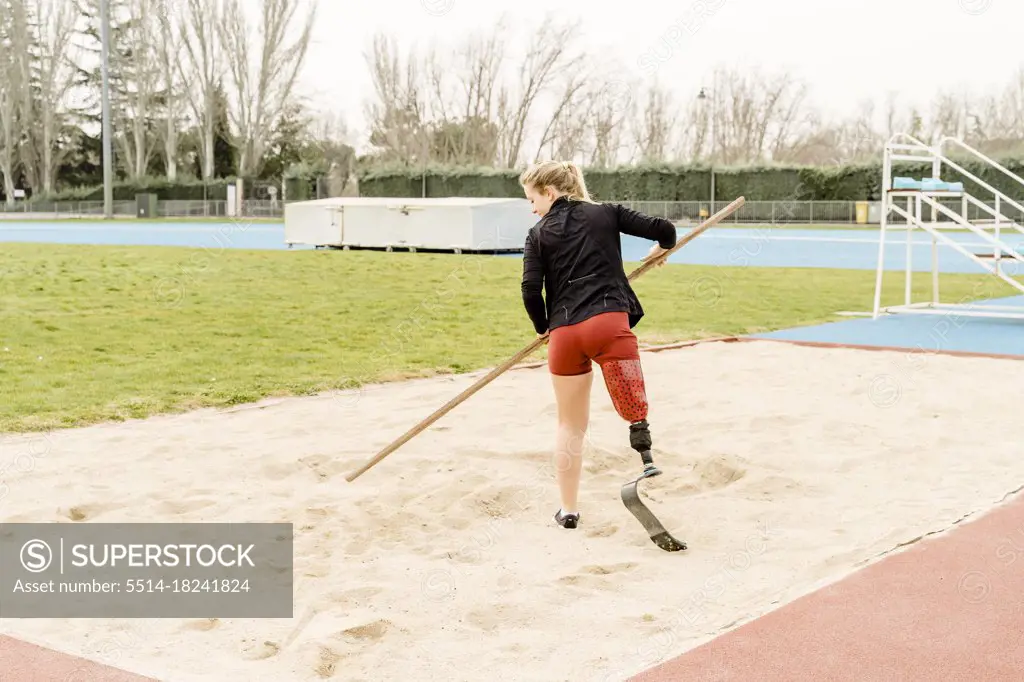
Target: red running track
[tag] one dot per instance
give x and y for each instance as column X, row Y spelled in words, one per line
column 949, row 607
column 24, row 662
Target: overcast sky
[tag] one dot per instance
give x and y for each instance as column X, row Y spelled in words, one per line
column 924, row 45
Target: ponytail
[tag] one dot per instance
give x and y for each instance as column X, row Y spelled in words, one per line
column 579, row 184
column 564, row 176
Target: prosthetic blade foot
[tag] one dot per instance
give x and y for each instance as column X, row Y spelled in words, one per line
column 631, row 498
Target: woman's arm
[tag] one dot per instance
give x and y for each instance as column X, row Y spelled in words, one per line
column 533, row 284
column 646, row 227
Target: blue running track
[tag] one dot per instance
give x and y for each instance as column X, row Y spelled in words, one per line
column 719, row 246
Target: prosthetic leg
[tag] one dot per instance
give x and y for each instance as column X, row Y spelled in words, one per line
column 624, row 380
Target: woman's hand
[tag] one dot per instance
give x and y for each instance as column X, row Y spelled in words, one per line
column 656, row 251
column 544, row 335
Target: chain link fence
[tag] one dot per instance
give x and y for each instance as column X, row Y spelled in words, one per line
column 685, row 212
column 251, row 208
column 844, row 212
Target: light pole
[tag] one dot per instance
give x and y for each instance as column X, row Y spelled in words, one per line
column 703, row 96
column 108, row 189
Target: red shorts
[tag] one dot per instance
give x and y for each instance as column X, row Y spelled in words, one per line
column 601, row 338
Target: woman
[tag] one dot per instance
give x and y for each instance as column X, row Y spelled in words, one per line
column 574, row 253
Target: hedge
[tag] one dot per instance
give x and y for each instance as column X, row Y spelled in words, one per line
column 661, row 182
column 164, row 189
column 685, row 183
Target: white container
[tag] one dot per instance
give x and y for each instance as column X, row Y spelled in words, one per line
column 456, row 224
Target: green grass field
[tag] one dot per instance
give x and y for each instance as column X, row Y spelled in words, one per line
column 105, row 333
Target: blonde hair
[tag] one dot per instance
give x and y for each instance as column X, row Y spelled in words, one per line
column 564, row 176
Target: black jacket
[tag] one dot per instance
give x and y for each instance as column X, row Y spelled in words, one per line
column 575, row 252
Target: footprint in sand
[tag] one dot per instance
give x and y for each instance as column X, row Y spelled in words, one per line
column 593, row 574
column 718, row 472
column 323, row 466
column 258, row 651
column 358, row 546
column 327, row 662
column 773, row 487
column 315, row 516
column 708, row 474
column 514, row 648
column 602, row 531
column 502, row 501
column 76, row 514
column 83, row 512
column 499, row 614
column 373, row 630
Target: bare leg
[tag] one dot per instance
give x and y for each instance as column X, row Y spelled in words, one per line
column 573, row 396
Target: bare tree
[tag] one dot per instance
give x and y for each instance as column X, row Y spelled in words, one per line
column 569, row 131
column 134, row 75
column 756, row 115
column 329, row 136
column 998, row 121
column 1013, row 105
column 992, row 122
column 863, row 141
column 568, row 123
column 262, row 87
column 201, row 70
column 25, row 23
column 692, row 139
column 398, row 114
column 448, row 105
column 52, row 61
column 652, row 133
column 168, row 47
column 948, row 115
column 462, row 93
column 13, row 52
column 482, row 60
column 548, row 58
column 782, row 113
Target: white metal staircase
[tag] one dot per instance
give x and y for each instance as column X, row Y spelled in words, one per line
column 935, row 195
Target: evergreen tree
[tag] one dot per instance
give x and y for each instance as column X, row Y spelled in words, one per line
column 134, row 99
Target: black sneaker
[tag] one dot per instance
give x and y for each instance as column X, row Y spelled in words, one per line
column 567, row 520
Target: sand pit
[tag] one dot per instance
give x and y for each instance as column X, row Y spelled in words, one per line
column 786, row 467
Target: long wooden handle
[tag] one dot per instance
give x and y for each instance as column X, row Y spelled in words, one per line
column 534, row 345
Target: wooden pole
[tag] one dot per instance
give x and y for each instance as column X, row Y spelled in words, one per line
column 534, row 345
